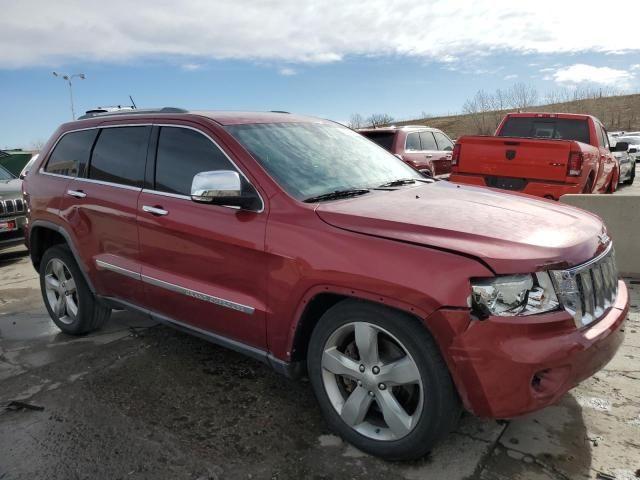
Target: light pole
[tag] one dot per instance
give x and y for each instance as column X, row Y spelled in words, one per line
column 67, row 78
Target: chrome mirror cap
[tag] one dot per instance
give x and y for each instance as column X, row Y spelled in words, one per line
column 216, row 185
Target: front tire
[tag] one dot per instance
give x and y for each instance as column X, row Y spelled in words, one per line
column 380, row 380
column 67, row 297
column 632, row 176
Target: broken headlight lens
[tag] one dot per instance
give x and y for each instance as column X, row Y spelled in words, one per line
column 512, row 295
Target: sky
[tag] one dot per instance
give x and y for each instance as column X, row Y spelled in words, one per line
column 326, row 58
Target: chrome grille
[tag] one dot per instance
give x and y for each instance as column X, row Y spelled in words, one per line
column 11, row 207
column 588, row 290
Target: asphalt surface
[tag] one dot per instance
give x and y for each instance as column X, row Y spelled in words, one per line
column 139, row 400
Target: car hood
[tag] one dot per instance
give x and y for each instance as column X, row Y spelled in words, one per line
column 511, row 233
column 11, row 188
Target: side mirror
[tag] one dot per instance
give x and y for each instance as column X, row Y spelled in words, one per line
column 621, row 147
column 222, row 187
column 23, row 174
column 633, row 150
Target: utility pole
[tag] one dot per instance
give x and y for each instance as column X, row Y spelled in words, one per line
column 67, row 78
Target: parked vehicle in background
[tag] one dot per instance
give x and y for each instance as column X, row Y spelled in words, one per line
column 634, row 146
column 626, row 157
column 542, row 154
column 302, row 244
column 426, row 149
column 12, row 210
column 27, row 167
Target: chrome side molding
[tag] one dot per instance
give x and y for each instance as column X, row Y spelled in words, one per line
column 222, row 302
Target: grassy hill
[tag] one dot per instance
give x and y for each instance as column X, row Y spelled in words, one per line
column 616, row 113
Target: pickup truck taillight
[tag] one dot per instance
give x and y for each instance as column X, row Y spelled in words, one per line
column 455, row 155
column 574, row 167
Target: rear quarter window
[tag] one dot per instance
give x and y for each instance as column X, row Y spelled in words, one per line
column 546, row 128
column 70, row 156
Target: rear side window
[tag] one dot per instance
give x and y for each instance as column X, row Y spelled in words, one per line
column 444, row 143
column 413, row 142
column 547, row 128
column 604, row 138
column 119, row 155
column 183, row 153
column 384, row 139
column 427, row 141
column 71, row 155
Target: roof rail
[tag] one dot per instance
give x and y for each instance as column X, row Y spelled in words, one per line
column 136, row 111
column 278, row 111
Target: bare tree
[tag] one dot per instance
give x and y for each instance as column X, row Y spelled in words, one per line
column 522, row 96
column 356, row 121
column 379, row 119
column 480, row 110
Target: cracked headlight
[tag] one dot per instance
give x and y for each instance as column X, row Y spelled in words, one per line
column 512, row 295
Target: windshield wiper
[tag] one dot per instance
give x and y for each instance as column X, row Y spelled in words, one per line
column 404, row 181
column 337, row 195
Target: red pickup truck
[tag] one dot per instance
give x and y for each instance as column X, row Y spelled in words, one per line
column 542, row 154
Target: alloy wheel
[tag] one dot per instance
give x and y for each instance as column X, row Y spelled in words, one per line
column 61, row 292
column 372, row 381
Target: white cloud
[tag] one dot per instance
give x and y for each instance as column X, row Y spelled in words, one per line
column 511, row 76
column 191, row 67
column 282, row 31
column 581, row 73
column 287, row 71
column 635, row 68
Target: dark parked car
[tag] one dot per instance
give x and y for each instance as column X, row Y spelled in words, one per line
column 12, row 210
column 302, row 244
column 426, row 149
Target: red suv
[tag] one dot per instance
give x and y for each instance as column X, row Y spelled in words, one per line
column 302, row 244
column 426, row 149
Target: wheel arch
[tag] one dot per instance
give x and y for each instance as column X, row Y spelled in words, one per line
column 320, row 299
column 43, row 235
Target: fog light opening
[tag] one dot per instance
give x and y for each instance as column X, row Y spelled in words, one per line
column 547, row 382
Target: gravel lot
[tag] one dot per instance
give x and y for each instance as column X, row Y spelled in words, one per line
column 139, row 400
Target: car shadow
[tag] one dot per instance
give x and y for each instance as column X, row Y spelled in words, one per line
column 13, row 255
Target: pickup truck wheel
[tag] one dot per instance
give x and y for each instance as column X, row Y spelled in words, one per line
column 380, row 380
column 588, row 187
column 67, row 297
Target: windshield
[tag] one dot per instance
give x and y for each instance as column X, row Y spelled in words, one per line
column 5, row 175
column 311, row 159
column 629, row 140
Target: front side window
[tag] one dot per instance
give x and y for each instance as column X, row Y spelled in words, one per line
column 310, row 159
column 120, row 154
column 427, row 141
column 413, row 142
column 444, row 143
column 70, row 157
column 604, row 138
column 183, row 153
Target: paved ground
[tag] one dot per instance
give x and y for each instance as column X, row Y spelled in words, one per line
column 143, row 401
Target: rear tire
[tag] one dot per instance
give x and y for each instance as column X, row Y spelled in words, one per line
column 393, row 413
column 67, row 297
column 588, row 187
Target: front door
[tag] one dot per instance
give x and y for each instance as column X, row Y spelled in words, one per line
column 203, row 265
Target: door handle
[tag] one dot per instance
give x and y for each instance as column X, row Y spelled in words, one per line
column 158, row 211
column 428, row 156
column 76, row 193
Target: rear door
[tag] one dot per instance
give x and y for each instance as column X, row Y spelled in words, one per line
column 443, row 157
column 202, row 265
column 100, row 206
